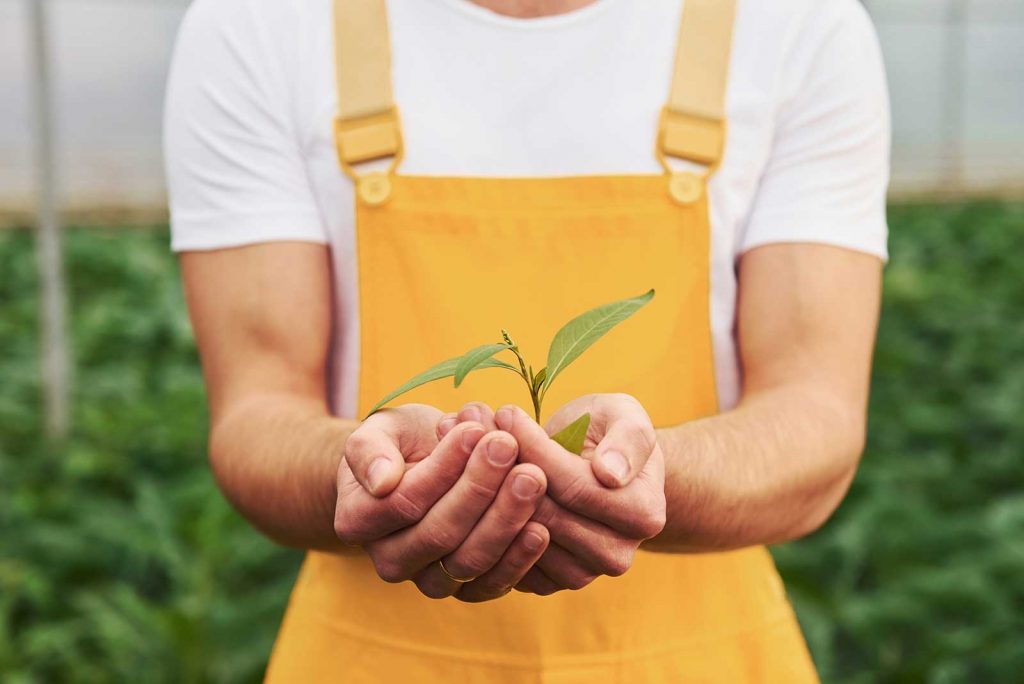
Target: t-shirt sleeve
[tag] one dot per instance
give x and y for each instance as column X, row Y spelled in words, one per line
column 827, row 174
column 234, row 161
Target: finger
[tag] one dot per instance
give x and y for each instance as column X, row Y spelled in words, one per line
column 372, row 454
column 478, row 412
column 445, row 425
column 400, row 556
column 504, row 520
column 524, row 552
column 595, row 545
column 360, row 517
column 631, row 510
column 562, row 568
column 434, row 583
column 536, row 582
column 628, row 442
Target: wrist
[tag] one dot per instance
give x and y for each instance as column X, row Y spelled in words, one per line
column 704, row 496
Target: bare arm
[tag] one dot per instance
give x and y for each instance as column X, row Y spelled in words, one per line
column 262, row 321
column 777, row 466
column 262, row 318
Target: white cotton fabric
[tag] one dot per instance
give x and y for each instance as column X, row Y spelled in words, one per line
column 251, row 98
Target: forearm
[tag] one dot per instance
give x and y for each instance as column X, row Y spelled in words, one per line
column 771, row 470
column 276, row 457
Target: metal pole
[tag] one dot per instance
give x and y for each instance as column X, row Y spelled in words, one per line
column 56, row 364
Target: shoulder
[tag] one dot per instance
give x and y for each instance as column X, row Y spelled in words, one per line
column 783, row 28
column 226, row 46
column 251, row 27
column 803, row 17
column 790, row 45
column 268, row 14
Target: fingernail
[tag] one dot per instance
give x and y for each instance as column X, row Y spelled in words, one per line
column 525, row 486
column 500, row 453
column 533, row 541
column 471, row 413
column 470, row 437
column 504, row 418
column 446, row 425
column 376, row 473
column 616, row 464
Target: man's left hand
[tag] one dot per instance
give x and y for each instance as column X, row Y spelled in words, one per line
column 598, row 508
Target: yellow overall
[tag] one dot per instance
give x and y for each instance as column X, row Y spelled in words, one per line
column 444, row 264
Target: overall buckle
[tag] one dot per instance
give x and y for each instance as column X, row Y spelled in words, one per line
column 369, row 138
column 692, row 138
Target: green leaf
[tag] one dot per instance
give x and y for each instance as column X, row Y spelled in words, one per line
column 573, row 436
column 445, row 369
column 538, row 379
column 474, row 358
column 581, row 332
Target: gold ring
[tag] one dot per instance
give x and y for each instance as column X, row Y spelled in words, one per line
column 452, row 577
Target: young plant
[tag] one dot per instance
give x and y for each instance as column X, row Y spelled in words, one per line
column 569, row 343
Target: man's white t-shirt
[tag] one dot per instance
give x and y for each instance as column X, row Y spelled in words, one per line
column 251, row 101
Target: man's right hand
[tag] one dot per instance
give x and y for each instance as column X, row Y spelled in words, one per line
column 412, row 500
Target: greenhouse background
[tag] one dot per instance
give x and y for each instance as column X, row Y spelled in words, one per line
column 955, row 68
column 121, row 562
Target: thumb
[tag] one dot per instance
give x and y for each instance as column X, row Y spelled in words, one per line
column 373, row 456
column 622, row 453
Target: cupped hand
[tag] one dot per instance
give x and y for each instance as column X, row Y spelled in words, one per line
column 601, row 507
column 457, row 496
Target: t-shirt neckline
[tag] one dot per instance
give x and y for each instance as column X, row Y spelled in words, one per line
column 484, row 15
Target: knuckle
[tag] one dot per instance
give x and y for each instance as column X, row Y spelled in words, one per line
column 469, row 564
column 576, row 493
column 405, row 508
column 439, row 540
column 545, row 513
column 343, row 529
column 652, row 523
column 432, row 591
column 480, row 492
column 617, row 560
column 507, row 520
column 389, row 569
column 642, row 434
column 356, row 444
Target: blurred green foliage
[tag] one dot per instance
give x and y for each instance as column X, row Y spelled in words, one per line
column 919, row 577
column 119, row 560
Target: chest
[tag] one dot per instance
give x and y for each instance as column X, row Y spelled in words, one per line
column 581, row 98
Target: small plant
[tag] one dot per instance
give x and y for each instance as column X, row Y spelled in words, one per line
column 569, row 343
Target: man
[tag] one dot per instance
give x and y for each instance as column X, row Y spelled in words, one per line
column 333, row 244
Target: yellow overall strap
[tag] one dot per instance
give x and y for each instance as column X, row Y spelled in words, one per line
column 367, row 126
column 693, row 122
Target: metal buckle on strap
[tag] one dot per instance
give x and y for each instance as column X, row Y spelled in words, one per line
column 693, row 138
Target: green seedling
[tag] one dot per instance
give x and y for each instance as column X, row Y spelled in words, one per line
column 569, row 343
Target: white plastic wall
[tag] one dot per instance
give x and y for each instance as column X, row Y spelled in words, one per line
column 956, row 71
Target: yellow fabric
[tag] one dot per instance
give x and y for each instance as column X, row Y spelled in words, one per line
column 692, row 124
column 703, row 51
column 367, row 126
column 362, row 50
column 444, row 264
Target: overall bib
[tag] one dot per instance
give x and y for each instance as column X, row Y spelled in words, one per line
column 444, row 265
